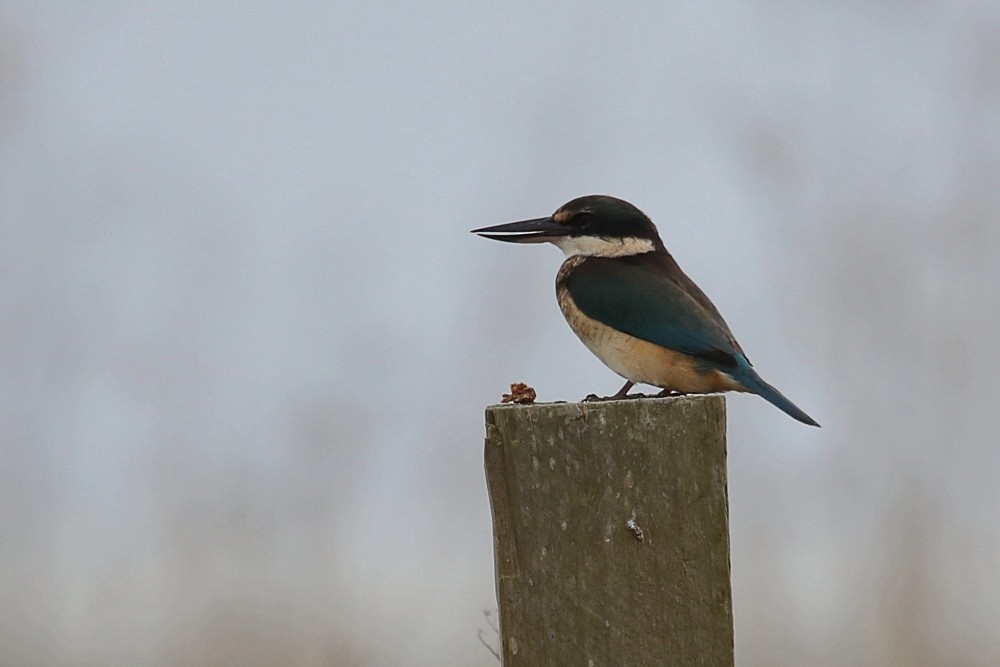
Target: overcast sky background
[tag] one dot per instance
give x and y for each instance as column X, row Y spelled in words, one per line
column 246, row 338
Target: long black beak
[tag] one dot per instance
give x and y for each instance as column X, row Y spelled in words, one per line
column 525, row 231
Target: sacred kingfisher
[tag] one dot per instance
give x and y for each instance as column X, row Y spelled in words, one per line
column 629, row 302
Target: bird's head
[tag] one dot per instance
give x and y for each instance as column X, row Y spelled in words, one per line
column 591, row 226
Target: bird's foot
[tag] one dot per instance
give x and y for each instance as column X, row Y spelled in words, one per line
column 623, row 392
column 622, row 395
column 594, row 398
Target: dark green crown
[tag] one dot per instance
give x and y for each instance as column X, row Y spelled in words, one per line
column 602, row 215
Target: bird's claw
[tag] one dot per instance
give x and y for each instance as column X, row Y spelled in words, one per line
column 594, row 398
column 666, row 393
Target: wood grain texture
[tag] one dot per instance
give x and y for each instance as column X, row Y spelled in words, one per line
column 611, row 532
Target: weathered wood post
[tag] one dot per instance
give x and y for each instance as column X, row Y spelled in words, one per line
column 611, row 532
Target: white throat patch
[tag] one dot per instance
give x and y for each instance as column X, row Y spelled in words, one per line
column 602, row 246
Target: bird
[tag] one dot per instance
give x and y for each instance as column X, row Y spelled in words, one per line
column 626, row 298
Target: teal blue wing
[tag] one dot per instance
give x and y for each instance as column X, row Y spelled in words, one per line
column 650, row 298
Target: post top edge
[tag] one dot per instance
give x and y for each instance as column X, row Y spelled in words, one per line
column 597, row 405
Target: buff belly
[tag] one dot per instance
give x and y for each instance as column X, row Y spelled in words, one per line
column 641, row 361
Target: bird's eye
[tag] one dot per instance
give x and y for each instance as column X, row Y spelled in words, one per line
column 583, row 220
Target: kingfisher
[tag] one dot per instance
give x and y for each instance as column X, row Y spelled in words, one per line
column 629, row 302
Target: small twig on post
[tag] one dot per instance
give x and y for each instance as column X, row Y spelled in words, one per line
column 496, row 630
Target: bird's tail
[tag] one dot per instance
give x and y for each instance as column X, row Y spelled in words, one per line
column 748, row 378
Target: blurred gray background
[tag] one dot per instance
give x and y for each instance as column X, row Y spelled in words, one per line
column 246, row 338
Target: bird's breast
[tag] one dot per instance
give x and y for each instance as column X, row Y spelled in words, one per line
column 639, row 360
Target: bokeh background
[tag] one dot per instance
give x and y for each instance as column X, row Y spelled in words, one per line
column 246, row 338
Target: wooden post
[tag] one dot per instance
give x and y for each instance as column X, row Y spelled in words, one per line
column 611, row 532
